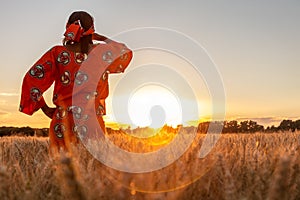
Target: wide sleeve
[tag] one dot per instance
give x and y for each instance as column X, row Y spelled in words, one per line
column 120, row 56
column 36, row 81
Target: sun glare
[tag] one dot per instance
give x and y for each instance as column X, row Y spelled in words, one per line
column 154, row 106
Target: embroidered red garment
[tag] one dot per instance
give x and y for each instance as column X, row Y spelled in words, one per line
column 61, row 66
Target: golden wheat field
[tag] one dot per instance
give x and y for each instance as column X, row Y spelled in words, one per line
column 240, row 166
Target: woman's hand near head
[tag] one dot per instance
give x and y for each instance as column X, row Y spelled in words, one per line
column 48, row 111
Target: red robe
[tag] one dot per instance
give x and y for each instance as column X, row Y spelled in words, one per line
column 79, row 90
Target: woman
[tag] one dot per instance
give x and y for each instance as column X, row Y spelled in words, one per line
column 62, row 65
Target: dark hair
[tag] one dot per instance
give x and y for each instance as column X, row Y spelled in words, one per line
column 86, row 21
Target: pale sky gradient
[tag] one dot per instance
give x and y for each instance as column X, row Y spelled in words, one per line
column 255, row 44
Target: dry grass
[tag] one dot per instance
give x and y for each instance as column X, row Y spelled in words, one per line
column 241, row 166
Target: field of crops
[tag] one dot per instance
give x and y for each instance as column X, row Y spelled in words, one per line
column 240, row 166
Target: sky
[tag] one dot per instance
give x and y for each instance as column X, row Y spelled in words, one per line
column 255, row 46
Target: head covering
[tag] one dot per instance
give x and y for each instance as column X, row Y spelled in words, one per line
column 75, row 31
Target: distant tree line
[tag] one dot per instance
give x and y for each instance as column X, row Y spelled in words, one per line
column 285, row 125
column 234, row 126
column 247, row 126
column 23, row 131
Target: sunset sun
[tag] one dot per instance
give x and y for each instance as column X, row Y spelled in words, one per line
column 154, row 105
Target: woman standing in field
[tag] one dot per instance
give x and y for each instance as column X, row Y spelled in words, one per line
column 61, row 64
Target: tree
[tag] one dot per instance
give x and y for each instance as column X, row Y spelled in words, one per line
column 230, row 127
column 297, row 124
column 244, row 127
column 286, row 125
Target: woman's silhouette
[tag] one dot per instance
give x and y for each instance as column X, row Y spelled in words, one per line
column 61, row 65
